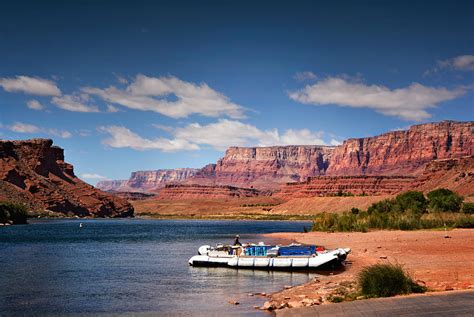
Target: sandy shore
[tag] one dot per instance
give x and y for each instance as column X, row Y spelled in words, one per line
column 440, row 263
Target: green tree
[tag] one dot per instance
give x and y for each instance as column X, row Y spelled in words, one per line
column 468, row 208
column 412, row 201
column 443, row 199
column 15, row 213
column 382, row 206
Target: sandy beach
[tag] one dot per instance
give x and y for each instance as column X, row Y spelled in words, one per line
column 439, row 262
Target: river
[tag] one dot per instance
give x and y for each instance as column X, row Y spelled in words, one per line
column 130, row 266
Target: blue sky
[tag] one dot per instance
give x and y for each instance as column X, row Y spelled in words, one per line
column 127, row 86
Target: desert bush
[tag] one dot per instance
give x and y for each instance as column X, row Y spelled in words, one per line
column 412, row 201
column 384, row 280
column 386, row 205
column 444, row 200
column 468, row 208
column 15, row 213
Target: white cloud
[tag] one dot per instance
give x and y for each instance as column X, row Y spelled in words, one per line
column 76, row 103
column 93, row 176
column 460, row 63
column 21, row 127
column 303, row 76
column 463, row 62
column 60, row 133
column 224, row 133
column 335, row 142
column 34, row 104
column 409, row 103
column 218, row 135
column 112, row 109
column 150, row 94
column 120, row 79
column 121, row 137
column 30, row 85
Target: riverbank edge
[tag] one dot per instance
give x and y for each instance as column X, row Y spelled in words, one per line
column 280, row 300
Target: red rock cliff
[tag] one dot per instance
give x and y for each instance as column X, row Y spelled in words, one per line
column 144, row 181
column 267, row 167
column 34, row 172
column 403, row 152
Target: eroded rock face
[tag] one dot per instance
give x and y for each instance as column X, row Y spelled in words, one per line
column 343, row 185
column 144, row 181
column 403, row 152
column 182, row 191
column 34, row 172
column 268, row 167
column 454, row 174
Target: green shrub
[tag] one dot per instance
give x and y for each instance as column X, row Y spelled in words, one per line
column 385, row 205
column 468, row 208
column 412, row 201
column 15, row 213
column 444, row 200
column 384, row 280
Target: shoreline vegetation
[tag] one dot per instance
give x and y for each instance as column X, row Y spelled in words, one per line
column 410, row 210
column 13, row 214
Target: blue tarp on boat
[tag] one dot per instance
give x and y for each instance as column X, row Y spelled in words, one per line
column 297, row 250
column 257, row 250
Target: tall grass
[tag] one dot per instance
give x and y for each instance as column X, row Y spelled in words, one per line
column 396, row 221
column 408, row 211
column 384, row 280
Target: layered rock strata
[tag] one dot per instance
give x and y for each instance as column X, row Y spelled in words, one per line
column 403, row 152
column 454, row 174
column 144, row 181
column 34, row 172
column 182, row 191
column 268, row 167
column 346, row 185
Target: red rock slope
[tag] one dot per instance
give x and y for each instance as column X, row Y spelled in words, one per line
column 454, row 174
column 182, row 191
column 34, row 172
column 356, row 185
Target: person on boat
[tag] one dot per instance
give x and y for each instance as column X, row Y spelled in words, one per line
column 236, row 241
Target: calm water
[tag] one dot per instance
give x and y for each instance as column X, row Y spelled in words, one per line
column 130, row 266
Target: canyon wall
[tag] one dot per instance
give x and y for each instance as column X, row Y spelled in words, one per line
column 143, row 181
column 397, row 153
column 403, row 152
column 34, row 172
column 268, row 167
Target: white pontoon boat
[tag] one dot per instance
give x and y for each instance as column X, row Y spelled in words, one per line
column 269, row 257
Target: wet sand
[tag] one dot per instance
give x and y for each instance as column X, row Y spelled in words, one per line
column 432, row 259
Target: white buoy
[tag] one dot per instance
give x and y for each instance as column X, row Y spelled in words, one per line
column 80, row 225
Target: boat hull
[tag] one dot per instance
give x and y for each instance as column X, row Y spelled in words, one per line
column 328, row 260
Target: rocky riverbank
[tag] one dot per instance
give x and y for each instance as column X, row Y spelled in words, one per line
column 440, row 260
